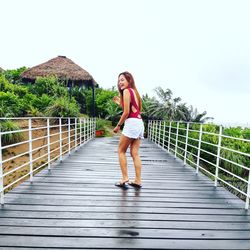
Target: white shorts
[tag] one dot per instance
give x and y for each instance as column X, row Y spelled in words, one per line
column 133, row 128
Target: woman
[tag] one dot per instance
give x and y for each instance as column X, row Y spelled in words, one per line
column 133, row 127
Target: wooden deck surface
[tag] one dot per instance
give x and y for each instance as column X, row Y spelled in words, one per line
column 77, row 206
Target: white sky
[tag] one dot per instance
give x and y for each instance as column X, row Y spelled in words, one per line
column 200, row 49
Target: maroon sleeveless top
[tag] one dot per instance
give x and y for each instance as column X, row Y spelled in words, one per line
column 137, row 113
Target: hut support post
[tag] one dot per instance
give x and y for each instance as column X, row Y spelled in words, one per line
column 93, row 100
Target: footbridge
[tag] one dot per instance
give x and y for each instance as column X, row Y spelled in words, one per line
column 60, row 193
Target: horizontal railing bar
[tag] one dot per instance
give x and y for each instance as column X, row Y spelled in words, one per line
column 44, row 164
column 15, row 169
column 209, row 162
column 234, row 175
column 235, row 163
column 14, row 157
column 209, row 143
column 235, row 151
column 203, row 150
column 38, row 128
column 13, row 131
column 14, row 182
column 40, row 138
column 235, row 188
column 236, row 138
column 14, row 144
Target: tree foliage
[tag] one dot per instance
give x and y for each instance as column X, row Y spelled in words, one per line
column 167, row 107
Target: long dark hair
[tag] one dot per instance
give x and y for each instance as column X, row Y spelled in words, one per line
column 131, row 82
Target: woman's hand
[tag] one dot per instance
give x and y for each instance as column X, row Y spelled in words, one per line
column 116, row 99
column 116, row 129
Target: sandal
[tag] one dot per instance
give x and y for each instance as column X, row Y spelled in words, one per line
column 121, row 184
column 133, row 184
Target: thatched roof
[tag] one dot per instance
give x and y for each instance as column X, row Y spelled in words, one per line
column 1, row 70
column 61, row 67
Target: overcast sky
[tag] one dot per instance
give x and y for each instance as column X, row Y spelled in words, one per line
column 200, row 49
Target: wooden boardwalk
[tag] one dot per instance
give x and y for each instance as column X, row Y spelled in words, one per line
column 77, row 206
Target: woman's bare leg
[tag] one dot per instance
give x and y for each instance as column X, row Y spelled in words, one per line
column 123, row 146
column 134, row 151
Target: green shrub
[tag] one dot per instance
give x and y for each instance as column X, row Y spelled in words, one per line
column 34, row 105
column 10, row 104
column 50, row 86
column 14, row 75
column 11, row 138
column 63, row 108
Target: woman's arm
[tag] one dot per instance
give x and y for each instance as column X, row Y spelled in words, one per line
column 126, row 109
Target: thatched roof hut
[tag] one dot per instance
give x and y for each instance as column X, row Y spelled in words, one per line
column 61, row 67
column 64, row 69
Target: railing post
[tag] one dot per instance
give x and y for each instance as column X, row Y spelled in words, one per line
column 153, row 131
column 169, row 134
column 89, row 128
column 176, row 140
column 60, row 137
column 159, row 134
column 1, row 173
column 75, row 134
column 89, row 132
column 199, row 150
column 84, row 130
column 186, row 144
column 163, row 136
column 80, row 120
column 87, row 124
column 48, row 142
column 156, row 130
column 150, row 130
column 30, row 150
column 248, row 191
column 69, row 134
column 92, row 128
column 218, row 158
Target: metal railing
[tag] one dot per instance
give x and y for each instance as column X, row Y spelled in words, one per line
column 41, row 141
column 225, row 159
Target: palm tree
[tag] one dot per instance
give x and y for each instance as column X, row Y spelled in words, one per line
column 166, row 107
column 192, row 115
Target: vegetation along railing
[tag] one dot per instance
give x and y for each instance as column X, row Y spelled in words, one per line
column 223, row 154
column 29, row 144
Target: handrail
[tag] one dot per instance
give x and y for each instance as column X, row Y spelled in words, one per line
column 72, row 133
column 190, row 142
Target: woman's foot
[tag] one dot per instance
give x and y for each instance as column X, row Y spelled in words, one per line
column 121, row 183
column 135, row 184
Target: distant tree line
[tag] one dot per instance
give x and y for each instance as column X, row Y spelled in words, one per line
column 49, row 96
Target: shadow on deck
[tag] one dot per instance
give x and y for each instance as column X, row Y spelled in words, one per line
column 77, row 206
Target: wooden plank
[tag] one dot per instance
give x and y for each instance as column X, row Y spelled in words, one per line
column 127, row 243
column 102, row 192
column 124, row 216
column 126, row 233
column 16, row 198
column 129, row 209
column 102, row 223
